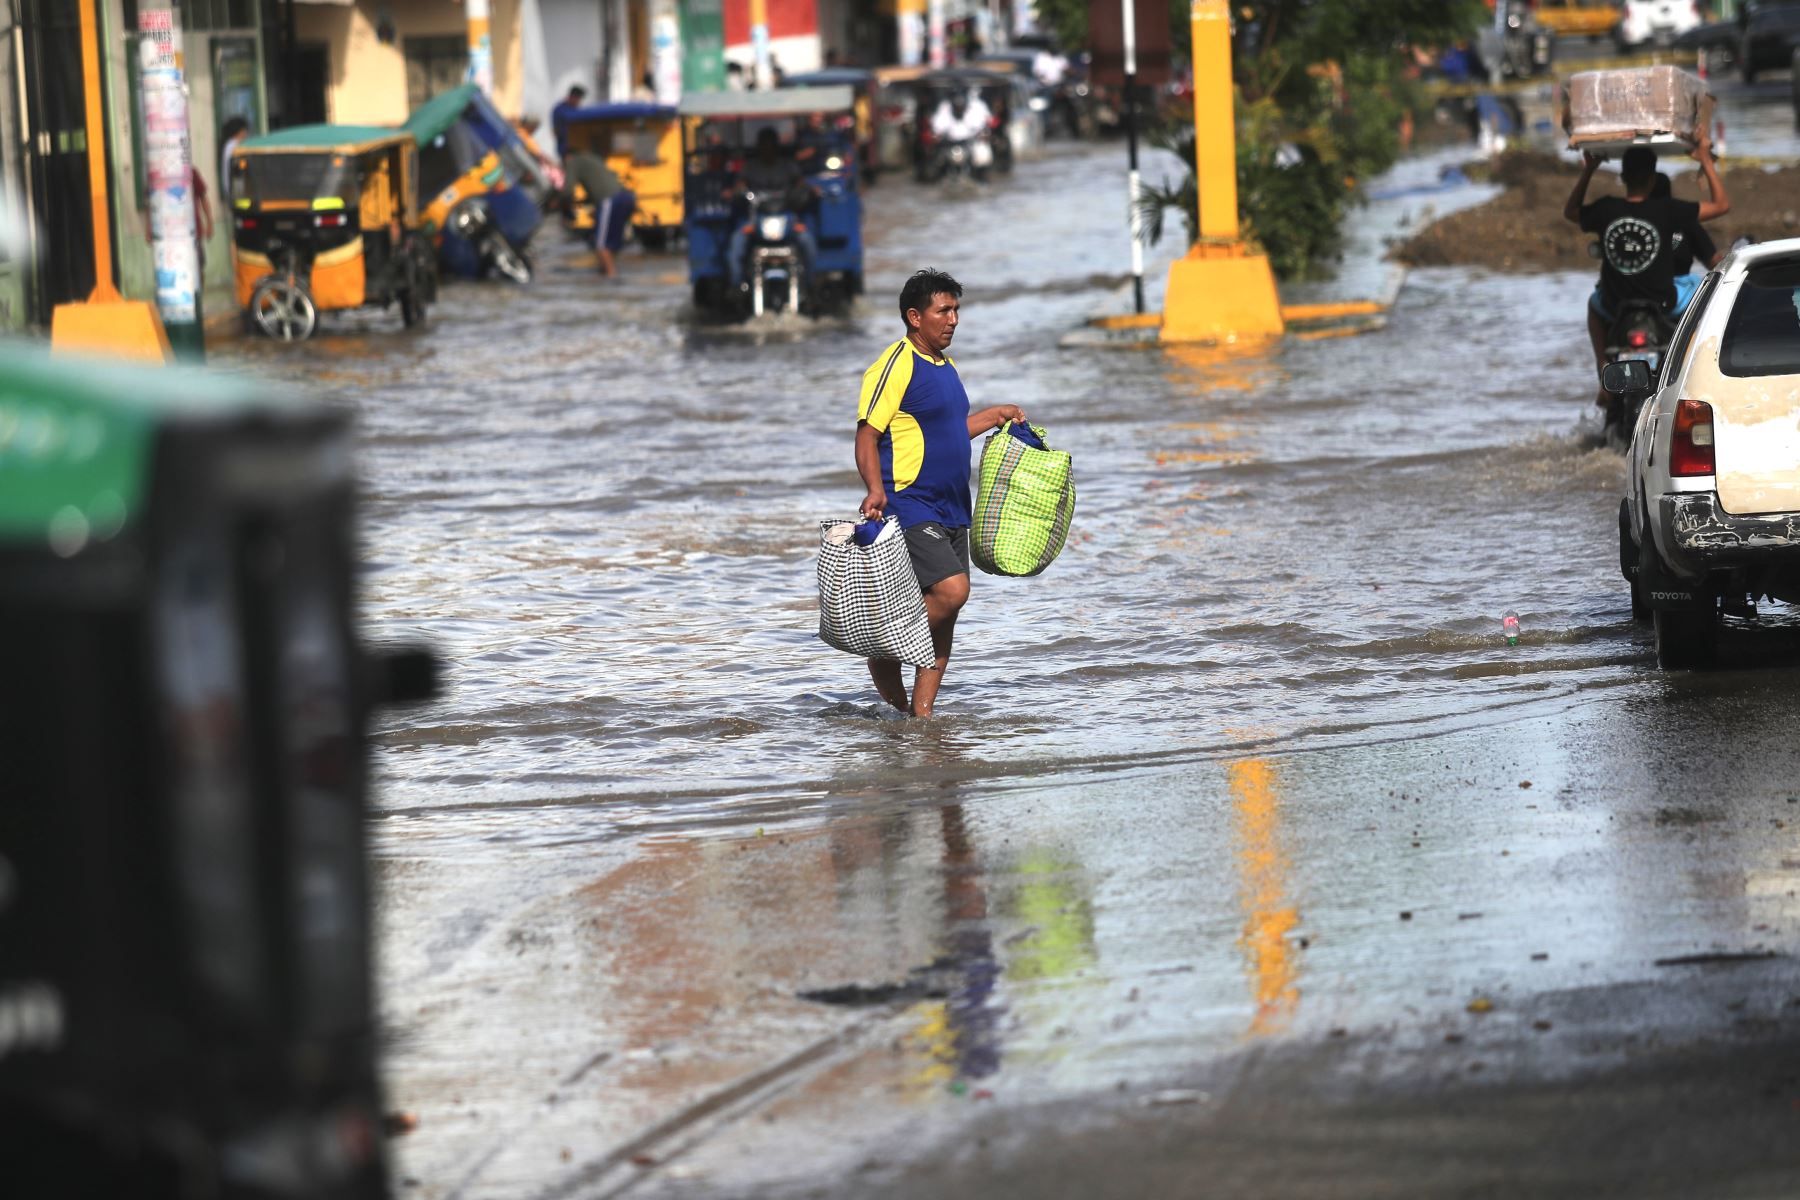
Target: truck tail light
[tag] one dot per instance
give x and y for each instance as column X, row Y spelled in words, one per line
column 1691, row 444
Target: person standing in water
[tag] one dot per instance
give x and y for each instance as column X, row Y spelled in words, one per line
column 913, row 429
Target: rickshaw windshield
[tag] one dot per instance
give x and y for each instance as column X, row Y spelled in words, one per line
column 258, row 179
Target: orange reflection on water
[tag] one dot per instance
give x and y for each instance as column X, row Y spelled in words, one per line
column 1269, row 916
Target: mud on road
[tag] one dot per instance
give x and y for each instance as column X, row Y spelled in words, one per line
column 1522, row 229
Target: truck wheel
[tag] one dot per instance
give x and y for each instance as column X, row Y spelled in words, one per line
column 1628, row 564
column 1686, row 640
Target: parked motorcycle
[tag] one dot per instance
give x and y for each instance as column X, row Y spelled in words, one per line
column 474, row 223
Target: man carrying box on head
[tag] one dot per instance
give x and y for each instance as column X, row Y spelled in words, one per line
column 1638, row 235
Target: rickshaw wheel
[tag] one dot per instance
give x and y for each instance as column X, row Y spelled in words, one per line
column 412, row 308
column 412, row 299
column 651, row 237
column 511, row 263
column 283, row 310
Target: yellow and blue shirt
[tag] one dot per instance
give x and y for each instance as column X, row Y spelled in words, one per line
column 918, row 406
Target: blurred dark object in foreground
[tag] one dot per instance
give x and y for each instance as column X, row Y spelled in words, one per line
column 185, row 998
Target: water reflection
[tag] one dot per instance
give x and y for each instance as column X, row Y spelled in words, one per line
column 1263, row 893
column 959, row 1034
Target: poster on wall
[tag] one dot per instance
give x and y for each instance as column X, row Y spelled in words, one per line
column 168, row 169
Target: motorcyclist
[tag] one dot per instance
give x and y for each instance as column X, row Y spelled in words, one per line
column 1692, row 245
column 965, row 117
column 1637, row 235
column 770, row 175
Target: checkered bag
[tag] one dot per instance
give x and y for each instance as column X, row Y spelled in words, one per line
column 870, row 603
column 1025, row 504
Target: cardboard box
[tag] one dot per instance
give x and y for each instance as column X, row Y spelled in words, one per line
column 1607, row 111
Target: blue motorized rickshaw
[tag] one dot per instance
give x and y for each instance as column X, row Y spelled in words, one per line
column 797, row 248
column 481, row 187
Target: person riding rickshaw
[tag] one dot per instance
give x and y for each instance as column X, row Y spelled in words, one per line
column 326, row 217
column 772, row 200
column 935, row 88
column 484, row 189
column 861, row 120
column 641, row 144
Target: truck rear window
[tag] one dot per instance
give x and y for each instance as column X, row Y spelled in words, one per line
column 1762, row 336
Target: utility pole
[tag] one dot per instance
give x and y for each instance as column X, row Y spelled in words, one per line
column 481, row 46
column 1129, row 8
column 169, row 168
column 909, row 18
column 764, row 73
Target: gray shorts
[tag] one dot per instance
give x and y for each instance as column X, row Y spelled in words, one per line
column 937, row 552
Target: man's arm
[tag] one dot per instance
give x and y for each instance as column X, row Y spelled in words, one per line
column 994, row 418
column 1572, row 210
column 1720, row 204
column 868, row 465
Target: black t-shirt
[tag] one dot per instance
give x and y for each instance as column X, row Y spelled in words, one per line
column 1691, row 244
column 1637, row 244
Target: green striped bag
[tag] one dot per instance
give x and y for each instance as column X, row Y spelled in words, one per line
column 1023, row 509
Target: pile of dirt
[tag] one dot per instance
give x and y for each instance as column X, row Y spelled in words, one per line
column 1522, row 229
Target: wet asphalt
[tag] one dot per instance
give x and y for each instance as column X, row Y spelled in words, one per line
column 1245, row 858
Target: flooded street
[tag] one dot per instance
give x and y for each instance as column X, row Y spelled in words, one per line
column 1244, row 806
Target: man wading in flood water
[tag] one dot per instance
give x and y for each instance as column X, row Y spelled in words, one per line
column 913, row 430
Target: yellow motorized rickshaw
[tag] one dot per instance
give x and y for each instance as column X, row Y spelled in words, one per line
column 642, row 145
column 327, row 217
column 1578, row 18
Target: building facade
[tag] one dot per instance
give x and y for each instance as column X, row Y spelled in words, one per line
column 46, row 228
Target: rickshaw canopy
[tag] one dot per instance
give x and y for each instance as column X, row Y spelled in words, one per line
column 629, row 111
column 851, row 77
column 323, row 139
column 950, row 77
column 782, row 102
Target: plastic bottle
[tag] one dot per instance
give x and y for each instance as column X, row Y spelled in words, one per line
column 1509, row 625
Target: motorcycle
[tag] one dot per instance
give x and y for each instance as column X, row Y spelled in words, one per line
column 472, row 221
column 964, row 158
column 1641, row 330
column 775, row 269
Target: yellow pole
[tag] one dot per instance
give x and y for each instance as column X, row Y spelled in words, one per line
column 1215, row 131
column 106, row 323
column 104, row 292
column 1222, row 292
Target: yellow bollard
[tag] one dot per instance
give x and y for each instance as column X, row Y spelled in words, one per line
column 106, row 323
column 1222, row 291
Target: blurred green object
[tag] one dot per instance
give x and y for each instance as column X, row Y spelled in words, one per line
column 185, row 954
column 77, row 436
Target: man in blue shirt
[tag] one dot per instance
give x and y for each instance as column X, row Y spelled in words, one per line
column 913, row 429
column 559, row 118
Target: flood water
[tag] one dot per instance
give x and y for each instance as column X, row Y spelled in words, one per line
column 1179, row 785
column 605, row 518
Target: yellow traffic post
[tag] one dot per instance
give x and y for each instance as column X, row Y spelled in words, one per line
column 1222, row 291
column 106, row 323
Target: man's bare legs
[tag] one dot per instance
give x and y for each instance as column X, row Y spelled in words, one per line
column 889, row 682
column 943, row 600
